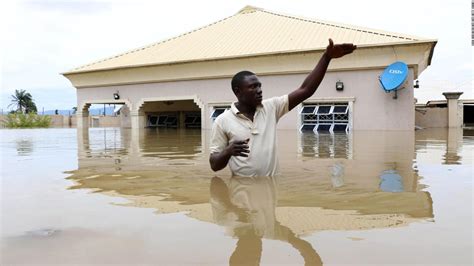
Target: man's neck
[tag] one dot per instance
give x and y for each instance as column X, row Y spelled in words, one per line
column 248, row 111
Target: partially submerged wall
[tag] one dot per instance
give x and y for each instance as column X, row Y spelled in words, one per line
column 431, row 117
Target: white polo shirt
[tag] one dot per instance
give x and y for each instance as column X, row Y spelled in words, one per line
column 234, row 126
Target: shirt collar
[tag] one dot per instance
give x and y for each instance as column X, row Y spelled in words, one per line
column 236, row 111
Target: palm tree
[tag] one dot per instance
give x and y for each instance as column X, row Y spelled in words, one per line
column 30, row 107
column 22, row 100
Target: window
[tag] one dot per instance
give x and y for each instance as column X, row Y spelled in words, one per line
column 327, row 117
column 163, row 120
column 192, row 120
column 217, row 111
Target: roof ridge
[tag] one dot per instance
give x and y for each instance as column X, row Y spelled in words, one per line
column 249, row 9
column 155, row 43
column 341, row 25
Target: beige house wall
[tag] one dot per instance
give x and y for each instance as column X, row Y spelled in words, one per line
column 372, row 108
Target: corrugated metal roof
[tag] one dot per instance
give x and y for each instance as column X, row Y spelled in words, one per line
column 252, row 31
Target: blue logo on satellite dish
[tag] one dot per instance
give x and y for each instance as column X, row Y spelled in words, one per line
column 394, row 76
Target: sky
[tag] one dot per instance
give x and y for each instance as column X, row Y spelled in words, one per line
column 41, row 39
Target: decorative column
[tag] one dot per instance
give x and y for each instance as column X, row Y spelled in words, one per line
column 453, row 145
column 83, row 147
column 82, row 119
column 138, row 119
column 453, row 115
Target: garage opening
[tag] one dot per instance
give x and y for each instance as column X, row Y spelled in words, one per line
column 468, row 114
column 172, row 114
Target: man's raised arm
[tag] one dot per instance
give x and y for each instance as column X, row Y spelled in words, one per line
column 312, row 81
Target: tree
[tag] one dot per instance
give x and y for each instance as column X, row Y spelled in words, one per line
column 23, row 101
column 74, row 109
column 31, row 107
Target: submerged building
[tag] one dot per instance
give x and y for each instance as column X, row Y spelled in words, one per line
column 185, row 81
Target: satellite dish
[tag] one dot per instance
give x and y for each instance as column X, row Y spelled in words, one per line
column 393, row 77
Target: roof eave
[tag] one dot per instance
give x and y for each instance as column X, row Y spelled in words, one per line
column 434, row 41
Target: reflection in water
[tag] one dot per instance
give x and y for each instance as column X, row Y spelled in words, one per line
column 247, row 208
column 360, row 181
column 24, row 147
column 391, row 181
column 382, row 163
column 171, row 143
column 325, row 145
column 448, row 140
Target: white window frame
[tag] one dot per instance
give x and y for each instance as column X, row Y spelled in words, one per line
column 333, row 102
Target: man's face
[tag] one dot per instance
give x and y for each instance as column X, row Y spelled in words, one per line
column 250, row 91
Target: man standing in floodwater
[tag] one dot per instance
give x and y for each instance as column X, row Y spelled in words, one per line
column 245, row 136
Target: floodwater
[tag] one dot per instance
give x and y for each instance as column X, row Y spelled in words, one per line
column 113, row 196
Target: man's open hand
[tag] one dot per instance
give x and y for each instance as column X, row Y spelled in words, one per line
column 239, row 148
column 339, row 50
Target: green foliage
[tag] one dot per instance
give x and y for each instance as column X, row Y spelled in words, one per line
column 23, row 102
column 29, row 120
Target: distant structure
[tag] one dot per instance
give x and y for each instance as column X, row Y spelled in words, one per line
column 452, row 112
column 184, row 82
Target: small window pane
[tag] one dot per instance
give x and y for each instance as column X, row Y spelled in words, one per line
column 171, row 120
column 162, row 119
column 324, row 109
column 218, row 111
column 307, row 127
column 340, row 109
column 189, row 119
column 324, row 127
column 308, row 110
column 339, row 127
column 153, row 120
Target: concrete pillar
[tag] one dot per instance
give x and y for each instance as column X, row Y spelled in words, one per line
column 82, row 119
column 138, row 120
column 453, row 145
column 181, row 118
column 83, row 146
column 453, row 115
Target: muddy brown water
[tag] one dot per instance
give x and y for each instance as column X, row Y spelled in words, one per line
column 115, row 196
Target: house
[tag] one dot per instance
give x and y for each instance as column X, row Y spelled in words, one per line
column 184, row 82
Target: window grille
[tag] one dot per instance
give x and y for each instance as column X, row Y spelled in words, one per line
column 163, row 120
column 327, row 117
column 192, row 120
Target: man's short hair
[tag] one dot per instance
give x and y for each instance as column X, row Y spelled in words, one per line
column 239, row 77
